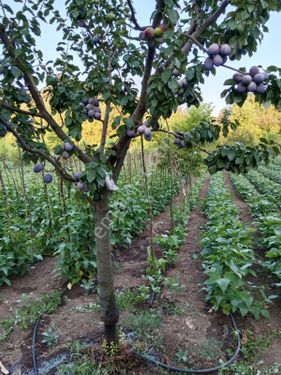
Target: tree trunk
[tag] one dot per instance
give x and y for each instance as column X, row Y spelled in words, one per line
column 110, row 313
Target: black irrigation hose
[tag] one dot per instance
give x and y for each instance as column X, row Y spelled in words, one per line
column 153, row 361
column 33, row 347
column 34, row 359
column 149, row 359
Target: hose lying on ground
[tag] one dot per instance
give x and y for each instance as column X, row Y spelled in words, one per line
column 151, row 360
column 34, row 358
column 157, row 363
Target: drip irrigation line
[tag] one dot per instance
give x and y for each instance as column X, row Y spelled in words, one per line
column 151, row 360
column 34, row 358
column 157, row 363
column 34, row 335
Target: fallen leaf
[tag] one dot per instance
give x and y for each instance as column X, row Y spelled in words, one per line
column 3, row 369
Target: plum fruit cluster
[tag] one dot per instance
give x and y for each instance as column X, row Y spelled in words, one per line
column 253, row 81
column 39, row 167
column 92, row 108
column 154, row 34
column 81, row 185
column 67, row 148
column 145, row 131
column 217, row 55
column 183, row 140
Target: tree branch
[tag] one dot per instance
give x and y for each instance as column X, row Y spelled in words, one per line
column 38, row 152
column 234, row 69
column 196, row 42
column 193, row 33
column 133, row 16
column 36, row 95
column 108, row 105
column 209, row 21
column 105, row 126
column 124, row 142
column 19, row 110
column 197, row 8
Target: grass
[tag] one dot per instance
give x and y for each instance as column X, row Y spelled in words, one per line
column 127, row 299
column 145, row 326
column 29, row 311
column 250, row 363
column 173, row 285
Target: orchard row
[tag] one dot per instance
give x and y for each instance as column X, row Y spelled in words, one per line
column 43, row 220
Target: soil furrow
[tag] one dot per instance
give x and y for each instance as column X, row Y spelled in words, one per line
column 193, row 328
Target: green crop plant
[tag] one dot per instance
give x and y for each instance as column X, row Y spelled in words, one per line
column 228, row 255
column 89, row 83
column 268, row 221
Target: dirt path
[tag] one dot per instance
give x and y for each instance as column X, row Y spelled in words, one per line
column 192, row 329
column 130, row 263
column 244, row 210
column 261, row 327
column 78, row 317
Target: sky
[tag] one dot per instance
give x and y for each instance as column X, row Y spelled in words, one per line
column 268, row 53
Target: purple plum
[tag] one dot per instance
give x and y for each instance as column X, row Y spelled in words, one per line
column 254, row 70
column 238, row 77
column 131, row 133
column 261, row 89
column 148, row 134
column 65, row 155
column 258, row 78
column 213, row 50
column 247, row 79
column 141, row 129
column 78, row 175
column 241, row 88
column 91, row 113
column 68, row 146
column 97, row 115
column 225, row 50
column 252, row 87
column 218, row 60
column 94, row 101
column 208, row 63
column 38, row 168
column 48, row 178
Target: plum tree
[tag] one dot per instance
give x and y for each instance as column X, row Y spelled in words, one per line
column 99, row 57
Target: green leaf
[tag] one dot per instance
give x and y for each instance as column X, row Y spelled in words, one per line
column 91, row 175
column 116, row 122
column 223, row 283
column 165, row 75
column 16, row 72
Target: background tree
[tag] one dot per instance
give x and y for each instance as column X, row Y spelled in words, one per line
column 255, row 121
column 99, row 59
